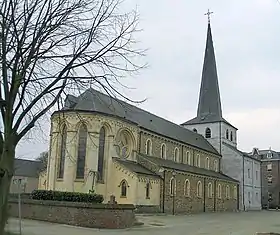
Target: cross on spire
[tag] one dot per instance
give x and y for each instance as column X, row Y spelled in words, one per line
column 208, row 14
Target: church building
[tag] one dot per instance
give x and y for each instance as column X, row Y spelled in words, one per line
column 105, row 145
column 210, row 123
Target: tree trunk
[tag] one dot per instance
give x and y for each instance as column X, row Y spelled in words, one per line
column 6, row 163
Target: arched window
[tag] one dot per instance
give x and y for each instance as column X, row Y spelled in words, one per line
column 227, row 192
column 210, row 190
column 207, row 163
column 188, row 158
column 216, row 165
column 194, row 130
column 199, row 189
column 197, row 160
column 62, row 152
column 148, row 186
column 176, row 154
column 227, row 134
column 187, row 188
column 219, row 191
column 235, row 192
column 231, row 136
column 124, row 188
column 172, row 186
column 82, row 149
column 149, row 147
column 163, row 151
column 101, row 153
column 207, row 133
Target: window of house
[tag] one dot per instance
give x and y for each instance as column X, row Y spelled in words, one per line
column 163, row 151
column 215, row 165
column 227, row 134
column 257, row 196
column 123, row 188
column 219, row 191
column 208, row 133
column 176, row 155
column 101, row 154
column 257, row 175
column 149, row 147
column 62, row 152
column 269, row 179
column 194, row 130
column 172, row 186
column 198, row 160
column 148, row 186
column 269, row 166
column 82, row 147
column 269, row 154
column 199, row 189
column 235, row 192
column 231, row 136
column 249, row 197
column 227, row 192
column 187, row 188
column 249, row 173
column 188, row 158
column 207, row 163
column 210, row 190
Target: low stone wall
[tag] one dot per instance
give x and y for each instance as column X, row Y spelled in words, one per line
column 147, row 209
column 112, row 216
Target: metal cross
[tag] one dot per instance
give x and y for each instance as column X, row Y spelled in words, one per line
column 208, row 14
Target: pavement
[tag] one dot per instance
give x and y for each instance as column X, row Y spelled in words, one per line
column 240, row 223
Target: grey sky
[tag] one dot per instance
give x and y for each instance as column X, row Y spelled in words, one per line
column 246, row 38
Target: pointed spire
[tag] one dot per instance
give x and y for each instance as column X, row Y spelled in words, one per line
column 209, row 106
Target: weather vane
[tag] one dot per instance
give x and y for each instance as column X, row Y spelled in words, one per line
column 208, row 14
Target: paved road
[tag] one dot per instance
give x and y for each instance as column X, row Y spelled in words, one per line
column 245, row 223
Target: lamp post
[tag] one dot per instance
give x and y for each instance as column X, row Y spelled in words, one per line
column 18, row 183
column 174, row 191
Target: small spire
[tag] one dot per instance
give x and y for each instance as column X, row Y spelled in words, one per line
column 208, row 13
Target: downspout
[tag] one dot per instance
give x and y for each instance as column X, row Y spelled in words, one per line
column 139, row 142
column 204, row 195
column 182, row 157
column 163, row 192
column 215, row 194
column 243, row 196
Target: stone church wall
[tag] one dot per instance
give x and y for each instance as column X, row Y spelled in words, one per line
column 180, row 203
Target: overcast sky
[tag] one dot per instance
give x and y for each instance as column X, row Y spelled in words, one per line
column 246, row 37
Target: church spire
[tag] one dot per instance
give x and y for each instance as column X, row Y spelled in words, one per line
column 209, row 106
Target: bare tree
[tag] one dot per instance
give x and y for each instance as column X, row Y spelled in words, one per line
column 49, row 48
column 43, row 158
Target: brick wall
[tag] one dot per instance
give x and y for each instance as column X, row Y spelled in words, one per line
column 77, row 214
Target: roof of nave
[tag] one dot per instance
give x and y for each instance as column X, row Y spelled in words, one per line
column 186, row 168
column 240, row 152
column 134, row 167
column 27, row 168
column 94, row 101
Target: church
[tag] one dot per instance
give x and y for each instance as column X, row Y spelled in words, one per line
column 105, row 145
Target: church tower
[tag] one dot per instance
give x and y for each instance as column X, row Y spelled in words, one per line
column 209, row 120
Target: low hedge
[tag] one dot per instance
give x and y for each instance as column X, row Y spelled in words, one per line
column 66, row 196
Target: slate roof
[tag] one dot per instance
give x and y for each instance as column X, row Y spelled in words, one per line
column 209, row 106
column 263, row 153
column 94, row 101
column 134, row 167
column 240, row 152
column 186, row 168
column 27, row 168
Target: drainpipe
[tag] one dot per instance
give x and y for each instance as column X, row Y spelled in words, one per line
column 163, row 192
column 139, row 142
column 215, row 194
column 243, row 196
column 204, row 195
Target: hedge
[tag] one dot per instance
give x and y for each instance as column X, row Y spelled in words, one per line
column 66, row 196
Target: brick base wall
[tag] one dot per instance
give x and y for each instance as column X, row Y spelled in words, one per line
column 147, row 209
column 77, row 214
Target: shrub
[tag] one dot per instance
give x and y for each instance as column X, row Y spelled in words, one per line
column 66, row 196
